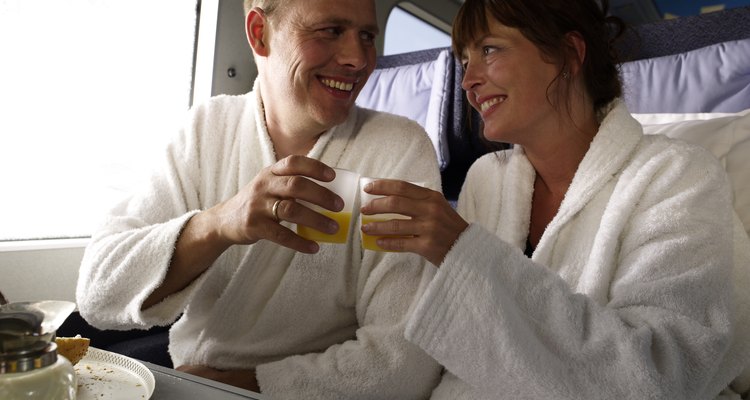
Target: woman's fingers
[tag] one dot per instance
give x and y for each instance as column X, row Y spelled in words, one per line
column 434, row 225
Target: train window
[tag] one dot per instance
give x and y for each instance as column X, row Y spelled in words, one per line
column 422, row 35
column 90, row 92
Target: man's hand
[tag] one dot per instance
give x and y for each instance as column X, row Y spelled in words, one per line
column 248, row 216
column 243, row 378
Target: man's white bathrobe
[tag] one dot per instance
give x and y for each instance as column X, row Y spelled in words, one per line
column 628, row 295
column 322, row 326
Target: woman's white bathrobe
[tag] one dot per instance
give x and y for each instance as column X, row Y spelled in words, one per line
column 628, row 294
column 322, row 326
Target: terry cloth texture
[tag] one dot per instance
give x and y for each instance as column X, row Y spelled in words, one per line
column 322, row 326
column 628, row 294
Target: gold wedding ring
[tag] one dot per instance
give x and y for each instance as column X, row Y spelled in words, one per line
column 275, row 211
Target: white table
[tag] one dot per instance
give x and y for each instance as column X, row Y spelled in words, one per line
column 175, row 385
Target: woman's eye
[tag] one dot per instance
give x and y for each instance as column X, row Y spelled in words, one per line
column 487, row 50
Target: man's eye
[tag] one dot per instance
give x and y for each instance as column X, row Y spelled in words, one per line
column 367, row 36
column 487, row 50
column 333, row 31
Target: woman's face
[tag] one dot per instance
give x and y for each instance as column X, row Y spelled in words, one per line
column 508, row 82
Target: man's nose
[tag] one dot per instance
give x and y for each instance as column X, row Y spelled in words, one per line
column 354, row 53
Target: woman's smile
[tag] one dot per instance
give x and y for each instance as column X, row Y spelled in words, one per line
column 488, row 104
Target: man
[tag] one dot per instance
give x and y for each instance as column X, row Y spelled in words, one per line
column 209, row 239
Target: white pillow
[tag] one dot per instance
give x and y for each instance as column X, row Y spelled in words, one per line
column 727, row 136
column 715, row 78
column 667, row 118
column 416, row 91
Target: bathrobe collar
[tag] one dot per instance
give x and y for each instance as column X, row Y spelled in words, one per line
column 618, row 136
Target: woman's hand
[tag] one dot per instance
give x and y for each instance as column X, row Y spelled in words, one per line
column 434, row 224
column 243, row 378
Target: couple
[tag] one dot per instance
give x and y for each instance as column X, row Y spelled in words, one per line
column 587, row 262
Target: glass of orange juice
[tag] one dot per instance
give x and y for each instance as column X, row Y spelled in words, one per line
column 344, row 185
column 369, row 242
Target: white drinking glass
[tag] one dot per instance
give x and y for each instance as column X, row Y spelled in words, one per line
column 369, row 242
column 344, row 185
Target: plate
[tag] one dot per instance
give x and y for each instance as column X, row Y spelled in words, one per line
column 104, row 375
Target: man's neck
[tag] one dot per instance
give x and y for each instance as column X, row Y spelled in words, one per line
column 287, row 145
column 290, row 138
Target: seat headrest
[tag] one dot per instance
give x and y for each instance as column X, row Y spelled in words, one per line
column 416, row 88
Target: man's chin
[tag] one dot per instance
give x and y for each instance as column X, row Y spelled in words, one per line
column 333, row 117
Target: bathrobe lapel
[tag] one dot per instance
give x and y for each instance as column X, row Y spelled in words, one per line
column 612, row 147
column 516, row 192
column 266, row 261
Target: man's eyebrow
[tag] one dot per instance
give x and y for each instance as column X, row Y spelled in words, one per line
column 347, row 22
column 372, row 28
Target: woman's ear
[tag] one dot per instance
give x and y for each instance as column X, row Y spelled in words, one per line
column 255, row 28
column 576, row 51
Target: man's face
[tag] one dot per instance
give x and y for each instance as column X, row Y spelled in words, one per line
column 321, row 54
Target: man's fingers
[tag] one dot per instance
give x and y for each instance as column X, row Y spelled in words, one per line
column 304, row 166
column 291, row 178
column 284, row 236
column 290, row 210
column 301, row 188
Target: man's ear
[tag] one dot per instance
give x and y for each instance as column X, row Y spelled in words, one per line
column 576, row 51
column 255, row 28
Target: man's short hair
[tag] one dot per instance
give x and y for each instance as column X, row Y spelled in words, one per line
column 268, row 6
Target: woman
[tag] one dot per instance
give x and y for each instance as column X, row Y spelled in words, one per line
column 587, row 262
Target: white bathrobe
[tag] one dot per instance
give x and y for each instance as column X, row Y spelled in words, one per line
column 323, row 326
column 628, row 294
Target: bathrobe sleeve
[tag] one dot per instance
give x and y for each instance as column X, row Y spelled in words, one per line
column 512, row 328
column 130, row 253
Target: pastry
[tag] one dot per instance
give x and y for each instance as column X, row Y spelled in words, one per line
column 72, row 348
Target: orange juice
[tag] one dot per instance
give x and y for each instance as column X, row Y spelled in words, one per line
column 343, row 219
column 369, row 242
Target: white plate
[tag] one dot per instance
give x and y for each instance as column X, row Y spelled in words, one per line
column 104, row 375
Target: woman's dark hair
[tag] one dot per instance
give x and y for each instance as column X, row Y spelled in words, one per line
column 546, row 23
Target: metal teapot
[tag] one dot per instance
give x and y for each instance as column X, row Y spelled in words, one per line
column 29, row 365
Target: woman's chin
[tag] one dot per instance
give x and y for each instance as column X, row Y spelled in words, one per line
column 494, row 133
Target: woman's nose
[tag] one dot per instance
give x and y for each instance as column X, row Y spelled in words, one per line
column 472, row 77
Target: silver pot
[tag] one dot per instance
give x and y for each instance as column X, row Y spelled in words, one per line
column 29, row 365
